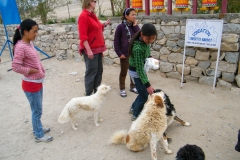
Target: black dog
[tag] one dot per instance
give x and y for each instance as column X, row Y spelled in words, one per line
column 171, row 112
column 190, row 152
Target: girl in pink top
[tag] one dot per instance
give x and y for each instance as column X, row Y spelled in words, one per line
column 27, row 62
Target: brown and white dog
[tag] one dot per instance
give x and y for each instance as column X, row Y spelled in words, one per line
column 147, row 128
column 89, row 103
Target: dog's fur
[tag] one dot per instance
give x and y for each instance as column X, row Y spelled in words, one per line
column 89, row 103
column 147, row 128
column 190, row 152
column 171, row 111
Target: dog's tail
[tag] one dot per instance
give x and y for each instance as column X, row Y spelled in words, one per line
column 64, row 117
column 119, row 137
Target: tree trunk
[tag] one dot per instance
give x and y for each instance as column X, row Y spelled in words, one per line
column 112, row 7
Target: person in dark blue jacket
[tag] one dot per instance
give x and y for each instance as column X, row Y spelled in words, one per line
column 123, row 35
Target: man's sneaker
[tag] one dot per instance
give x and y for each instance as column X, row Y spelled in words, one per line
column 45, row 130
column 44, row 139
column 133, row 118
column 123, row 93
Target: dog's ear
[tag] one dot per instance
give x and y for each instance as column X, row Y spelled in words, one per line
column 159, row 101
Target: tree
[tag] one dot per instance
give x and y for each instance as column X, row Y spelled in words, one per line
column 112, row 7
column 38, row 8
column 119, row 6
column 233, row 6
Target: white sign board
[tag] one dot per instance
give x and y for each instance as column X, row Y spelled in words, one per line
column 203, row 33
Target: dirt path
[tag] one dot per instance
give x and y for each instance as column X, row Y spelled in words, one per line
column 214, row 117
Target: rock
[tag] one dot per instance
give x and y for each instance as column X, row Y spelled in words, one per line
column 166, row 67
column 237, row 78
column 187, row 69
column 191, row 61
column 232, row 57
column 224, row 66
column 229, row 47
column 202, row 56
column 196, row 72
column 224, row 84
column 164, row 51
column 116, row 60
column 174, row 75
column 204, row 64
column 107, row 61
column 112, row 54
column 175, row 58
column 206, row 80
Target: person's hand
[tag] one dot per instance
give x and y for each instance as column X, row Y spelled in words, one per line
column 122, row 56
column 33, row 70
column 135, row 23
column 150, row 90
column 90, row 54
column 107, row 22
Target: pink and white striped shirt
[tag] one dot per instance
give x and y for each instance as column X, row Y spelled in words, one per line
column 26, row 57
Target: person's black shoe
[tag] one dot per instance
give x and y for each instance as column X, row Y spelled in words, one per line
column 237, row 147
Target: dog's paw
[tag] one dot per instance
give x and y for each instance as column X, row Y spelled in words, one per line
column 187, row 124
column 96, row 124
column 75, row 128
column 100, row 120
column 169, row 152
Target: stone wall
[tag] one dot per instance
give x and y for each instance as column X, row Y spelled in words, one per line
column 168, row 48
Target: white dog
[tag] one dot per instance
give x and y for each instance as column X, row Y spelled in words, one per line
column 89, row 103
column 147, row 128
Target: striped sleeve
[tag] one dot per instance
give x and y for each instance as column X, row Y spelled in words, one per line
column 17, row 64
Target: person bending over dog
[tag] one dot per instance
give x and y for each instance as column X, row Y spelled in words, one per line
column 139, row 50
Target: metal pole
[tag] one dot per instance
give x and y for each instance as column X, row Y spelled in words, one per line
column 127, row 3
column 224, row 6
column 147, row 8
column 194, row 8
column 169, row 7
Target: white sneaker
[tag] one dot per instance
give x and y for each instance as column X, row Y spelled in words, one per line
column 45, row 130
column 44, row 139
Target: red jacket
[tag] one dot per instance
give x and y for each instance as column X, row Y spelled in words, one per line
column 90, row 29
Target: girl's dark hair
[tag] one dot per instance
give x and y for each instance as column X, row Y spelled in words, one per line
column 147, row 29
column 26, row 24
column 127, row 12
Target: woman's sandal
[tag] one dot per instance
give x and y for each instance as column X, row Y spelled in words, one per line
column 134, row 90
column 123, row 93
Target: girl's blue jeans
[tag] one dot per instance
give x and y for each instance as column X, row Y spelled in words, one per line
column 35, row 100
column 141, row 99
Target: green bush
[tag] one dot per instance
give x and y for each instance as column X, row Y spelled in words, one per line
column 69, row 20
column 103, row 17
column 51, row 21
